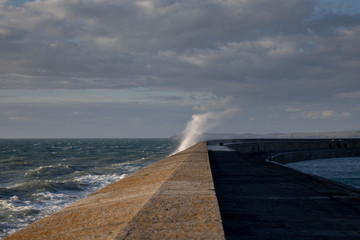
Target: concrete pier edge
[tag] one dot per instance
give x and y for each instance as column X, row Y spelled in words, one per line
column 173, row 198
column 262, row 199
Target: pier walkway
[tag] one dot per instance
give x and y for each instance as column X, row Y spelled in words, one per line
column 262, row 200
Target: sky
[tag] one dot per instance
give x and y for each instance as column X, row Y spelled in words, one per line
column 143, row 68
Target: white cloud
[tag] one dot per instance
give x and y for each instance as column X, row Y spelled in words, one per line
column 16, row 117
column 292, row 109
column 107, row 42
column 320, row 115
column 351, row 95
column 276, row 46
column 148, row 6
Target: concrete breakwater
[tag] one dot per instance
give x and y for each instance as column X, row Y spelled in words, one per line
column 175, row 198
column 171, row 199
column 259, row 199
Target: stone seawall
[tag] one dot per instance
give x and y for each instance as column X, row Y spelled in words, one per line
column 171, row 199
column 292, row 150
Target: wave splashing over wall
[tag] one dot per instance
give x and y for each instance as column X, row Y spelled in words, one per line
column 198, row 125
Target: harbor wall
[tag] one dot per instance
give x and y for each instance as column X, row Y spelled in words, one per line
column 292, row 150
column 173, row 198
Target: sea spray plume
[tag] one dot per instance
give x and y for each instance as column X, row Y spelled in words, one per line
column 194, row 128
column 199, row 124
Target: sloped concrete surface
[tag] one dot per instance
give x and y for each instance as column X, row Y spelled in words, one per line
column 171, row 199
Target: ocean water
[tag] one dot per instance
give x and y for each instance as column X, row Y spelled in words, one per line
column 343, row 170
column 41, row 176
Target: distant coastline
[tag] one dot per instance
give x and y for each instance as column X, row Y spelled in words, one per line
column 330, row 134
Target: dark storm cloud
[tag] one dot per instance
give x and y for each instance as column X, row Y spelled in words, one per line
column 295, row 59
column 124, row 43
column 106, row 44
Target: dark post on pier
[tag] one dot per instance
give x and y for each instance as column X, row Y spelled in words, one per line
column 198, row 194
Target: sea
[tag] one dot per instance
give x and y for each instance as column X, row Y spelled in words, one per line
column 41, row 176
column 342, row 170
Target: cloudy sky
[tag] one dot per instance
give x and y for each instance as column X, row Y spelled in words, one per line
column 142, row 68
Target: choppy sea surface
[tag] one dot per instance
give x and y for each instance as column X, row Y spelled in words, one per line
column 41, row 176
column 343, row 170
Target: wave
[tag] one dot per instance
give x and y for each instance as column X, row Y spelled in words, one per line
column 39, row 177
column 49, row 170
column 29, row 201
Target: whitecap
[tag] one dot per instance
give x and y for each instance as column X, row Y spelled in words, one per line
column 94, row 182
column 14, row 205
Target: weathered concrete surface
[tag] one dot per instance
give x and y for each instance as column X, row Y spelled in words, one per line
column 262, row 200
column 171, row 199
